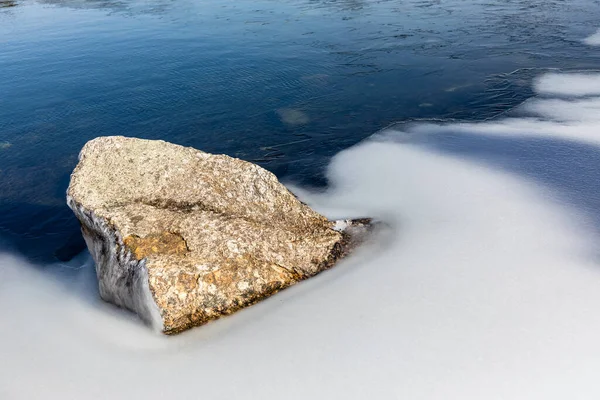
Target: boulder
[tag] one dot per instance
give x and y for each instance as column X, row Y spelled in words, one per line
column 181, row 237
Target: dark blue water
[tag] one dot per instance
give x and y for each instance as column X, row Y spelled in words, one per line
column 286, row 83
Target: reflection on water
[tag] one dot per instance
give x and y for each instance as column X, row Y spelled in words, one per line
column 286, row 84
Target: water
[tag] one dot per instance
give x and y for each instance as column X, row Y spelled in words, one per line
column 485, row 168
column 286, row 84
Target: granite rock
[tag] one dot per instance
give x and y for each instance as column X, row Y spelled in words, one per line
column 181, row 237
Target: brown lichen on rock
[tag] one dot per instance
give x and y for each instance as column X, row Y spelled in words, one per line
column 183, row 237
column 162, row 243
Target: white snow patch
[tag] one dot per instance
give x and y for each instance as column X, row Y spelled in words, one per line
column 340, row 225
column 569, row 84
column 593, row 40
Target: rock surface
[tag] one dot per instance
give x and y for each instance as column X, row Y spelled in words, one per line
column 182, row 237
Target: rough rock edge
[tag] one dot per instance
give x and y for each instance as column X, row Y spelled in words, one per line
column 122, row 279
